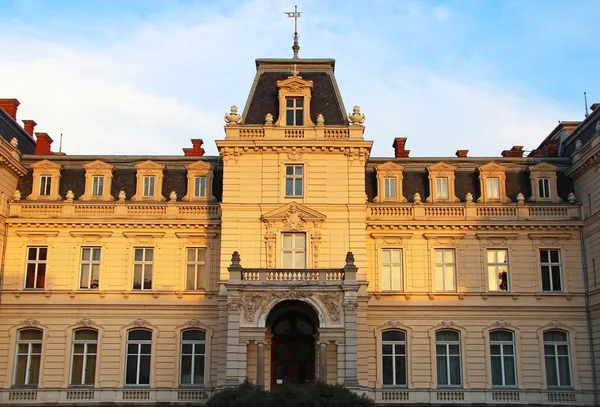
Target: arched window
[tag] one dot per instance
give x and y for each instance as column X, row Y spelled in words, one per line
column 139, row 352
column 502, row 353
column 193, row 357
column 558, row 359
column 29, row 357
column 83, row 358
column 447, row 350
column 393, row 358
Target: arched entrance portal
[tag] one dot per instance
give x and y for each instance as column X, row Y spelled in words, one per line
column 293, row 329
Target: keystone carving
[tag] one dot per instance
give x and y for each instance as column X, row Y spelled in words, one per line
column 501, row 323
column 555, row 323
column 294, row 220
column 331, row 302
column 30, row 322
column 394, row 323
column 85, row 322
column 252, row 303
column 140, row 322
column 194, row 323
column 447, row 323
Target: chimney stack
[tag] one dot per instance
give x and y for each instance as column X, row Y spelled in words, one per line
column 10, row 106
column 42, row 146
column 594, row 106
column 196, row 149
column 552, row 148
column 399, row 151
column 462, row 153
column 29, row 125
column 515, row 151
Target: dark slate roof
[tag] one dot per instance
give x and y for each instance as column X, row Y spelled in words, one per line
column 264, row 99
column 9, row 128
column 584, row 132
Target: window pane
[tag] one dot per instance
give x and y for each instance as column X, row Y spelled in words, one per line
column 455, row 373
column 387, row 349
column 564, row 371
column 77, row 369
column 131, row 373
column 554, row 256
column 199, row 369
column 86, row 334
column 544, row 256
column 41, row 276
column 90, row 372
column 551, row 372
column 186, row 370
column 144, row 370
column 289, row 187
column 509, row 371
column 397, row 336
column 289, row 117
column 546, row 284
column 34, row 369
column 556, row 283
column 140, row 334
column 299, row 117
column 194, row 334
column 298, row 187
column 400, row 370
column 388, row 370
column 138, row 255
column 442, row 370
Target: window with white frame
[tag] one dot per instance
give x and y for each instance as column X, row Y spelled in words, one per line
column 294, row 111
column 497, row 265
column 193, row 357
column 544, row 188
column 143, row 264
column 28, row 358
column 139, row 352
column 389, row 188
column 90, row 268
column 35, row 276
column 557, row 357
column 393, row 358
column 199, row 187
column 97, row 186
column 551, row 269
column 493, row 188
column 502, row 353
column 445, row 270
column 447, row 350
column 195, row 268
column 293, row 248
column 149, row 186
column 391, row 270
column 83, row 358
column 294, row 176
column 441, row 186
column 45, row 185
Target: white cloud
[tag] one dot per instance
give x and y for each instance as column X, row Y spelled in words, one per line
column 159, row 83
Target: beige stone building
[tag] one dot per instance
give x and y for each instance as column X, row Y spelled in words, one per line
column 294, row 256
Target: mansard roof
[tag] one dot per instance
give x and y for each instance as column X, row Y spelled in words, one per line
column 325, row 98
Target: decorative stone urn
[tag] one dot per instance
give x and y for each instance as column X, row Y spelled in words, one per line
column 233, row 117
column 469, row 197
column 520, row 199
column 356, row 118
column 320, row 119
column 269, row 119
column 17, row 195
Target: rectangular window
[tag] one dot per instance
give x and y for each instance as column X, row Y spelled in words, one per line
column 29, row 355
column 195, row 268
column 36, row 267
column 390, row 188
column 502, row 353
column 393, row 358
column 97, row 186
column 139, row 352
column 544, row 188
column 294, row 175
column 447, row 350
column 551, row 269
column 143, row 263
column 45, row 184
column 294, row 111
column 83, row 361
column 199, row 187
column 293, row 250
column 441, row 187
column 149, row 186
column 493, row 188
column 445, row 270
column 193, row 356
column 391, row 269
column 497, row 265
column 90, row 268
column 558, row 361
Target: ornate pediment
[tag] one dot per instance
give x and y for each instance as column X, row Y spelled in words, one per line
column 543, row 167
column 441, row 168
column 293, row 216
column 149, row 165
column 294, row 84
column 389, row 168
column 46, row 165
column 98, row 165
column 492, row 167
column 199, row 166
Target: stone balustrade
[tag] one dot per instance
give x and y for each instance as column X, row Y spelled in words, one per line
column 293, row 275
column 296, row 133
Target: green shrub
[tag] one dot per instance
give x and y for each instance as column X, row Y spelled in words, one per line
column 305, row 395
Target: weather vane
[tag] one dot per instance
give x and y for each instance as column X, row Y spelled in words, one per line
column 294, row 14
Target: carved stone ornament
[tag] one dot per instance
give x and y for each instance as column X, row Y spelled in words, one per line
column 578, row 145
column 572, row 198
column 234, row 307
column 269, row 119
column 320, row 119
column 356, row 118
column 85, row 322
column 501, row 323
column 417, row 198
column 294, row 220
column 469, row 197
column 140, row 322
column 350, row 308
column 394, row 323
column 14, row 142
column 447, row 323
column 233, row 117
column 252, row 303
column 295, row 155
column 17, row 195
column 290, row 295
column 331, row 302
column 30, row 322
column 555, row 323
column 194, row 323
column 122, row 196
column 70, row 196
column 520, row 198
column 173, row 196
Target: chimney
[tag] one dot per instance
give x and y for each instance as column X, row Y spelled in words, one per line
column 399, row 151
column 29, row 125
column 537, row 153
column 594, row 106
column 196, row 149
column 42, row 146
column 10, row 106
column 515, row 151
column 552, row 148
column 461, row 153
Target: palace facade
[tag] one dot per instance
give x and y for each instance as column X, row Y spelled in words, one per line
column 295, row 256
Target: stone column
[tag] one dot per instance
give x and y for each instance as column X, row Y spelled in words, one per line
column 350, row 344
column 260, row 364
column 233, row 342
column 323, row 361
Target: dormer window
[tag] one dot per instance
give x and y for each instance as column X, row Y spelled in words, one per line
column 199, row 176
column 543, row 183
column 294, row 111
column 45, row 185
column 98, row 186
column 148, row 186
column 389, row 188
column 492, row 181
column 46, row 179
column 441, row 188
column 389, row 182
column 493, row 188
column 199, row 187
column 441, row 183
column 149, row 181
column 544, row 188
column 98, row 181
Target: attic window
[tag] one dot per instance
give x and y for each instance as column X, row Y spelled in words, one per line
column 294, row 111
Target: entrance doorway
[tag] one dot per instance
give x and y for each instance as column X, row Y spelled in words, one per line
column 292, row 345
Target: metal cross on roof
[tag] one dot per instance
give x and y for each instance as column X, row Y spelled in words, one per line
column 294, row 14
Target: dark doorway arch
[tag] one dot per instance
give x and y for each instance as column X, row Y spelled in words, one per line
column 293, row 329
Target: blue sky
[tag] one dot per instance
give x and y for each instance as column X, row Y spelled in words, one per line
column 145, row 76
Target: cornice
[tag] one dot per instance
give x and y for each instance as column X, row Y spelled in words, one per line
column 588, row 162
column 13, row 165
column 491, row 227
